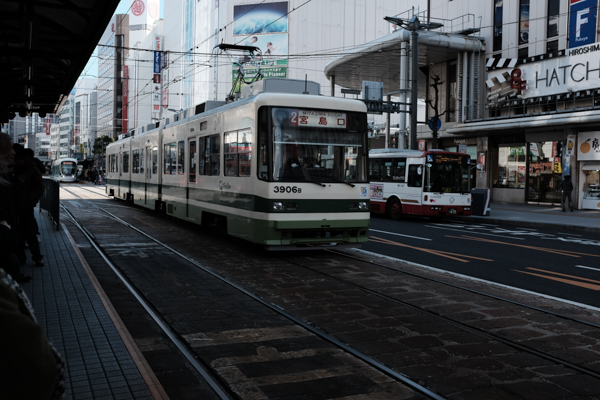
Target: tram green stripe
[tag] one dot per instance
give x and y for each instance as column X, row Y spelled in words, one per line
column 249, row 202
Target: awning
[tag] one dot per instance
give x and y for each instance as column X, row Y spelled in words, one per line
column 379, row 60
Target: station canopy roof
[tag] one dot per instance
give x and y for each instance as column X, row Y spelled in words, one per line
column 379, row 60
column 44, row 48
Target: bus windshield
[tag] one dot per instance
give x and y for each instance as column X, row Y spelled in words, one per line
column 68, row 168
column 447, row 177
column 318, row 146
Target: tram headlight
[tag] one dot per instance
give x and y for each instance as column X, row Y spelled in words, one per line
column 362, row 205
column 278, row 206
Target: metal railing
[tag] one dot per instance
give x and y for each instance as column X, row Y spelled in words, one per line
column 557, row 104
column 50, row 200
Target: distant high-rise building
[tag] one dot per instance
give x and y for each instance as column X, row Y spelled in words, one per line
column 112, row 50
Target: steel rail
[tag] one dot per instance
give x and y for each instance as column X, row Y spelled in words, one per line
column 174, row 337
column 396, row 375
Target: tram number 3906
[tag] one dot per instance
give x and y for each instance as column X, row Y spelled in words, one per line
column 287, row 189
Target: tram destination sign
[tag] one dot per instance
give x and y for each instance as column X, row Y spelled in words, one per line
column 320, row 119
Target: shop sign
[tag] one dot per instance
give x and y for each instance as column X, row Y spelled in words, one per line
column 588, row 146
column 577, row 70
column 557, row 168
column 582, row 22
column 570, row 145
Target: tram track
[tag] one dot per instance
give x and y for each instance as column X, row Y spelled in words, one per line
column 180, row 343
column 460, row 324
column 306, row 322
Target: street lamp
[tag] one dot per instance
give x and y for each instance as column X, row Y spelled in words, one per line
column 413, row 25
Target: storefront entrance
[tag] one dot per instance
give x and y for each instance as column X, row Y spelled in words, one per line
column 545, row 173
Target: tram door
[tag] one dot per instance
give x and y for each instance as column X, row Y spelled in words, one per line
column 120, row 166
column 148, row 175
column 191, row 181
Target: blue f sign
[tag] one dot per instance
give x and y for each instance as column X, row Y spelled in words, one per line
column 582, row 23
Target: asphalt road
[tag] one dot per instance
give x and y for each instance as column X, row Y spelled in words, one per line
column 563, row 264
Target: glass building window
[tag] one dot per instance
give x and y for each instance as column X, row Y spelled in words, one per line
column 510, row 170
column 553, row 14
column 524, row 22
column 498, row 20
column 451, row 100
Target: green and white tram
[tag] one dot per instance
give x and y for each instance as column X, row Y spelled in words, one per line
column 282, row 170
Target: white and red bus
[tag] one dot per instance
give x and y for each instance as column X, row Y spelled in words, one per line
column 428, row 183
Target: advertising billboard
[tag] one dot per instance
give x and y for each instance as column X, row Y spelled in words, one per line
column 582, row 22
column 252, row 19
column 264, row 26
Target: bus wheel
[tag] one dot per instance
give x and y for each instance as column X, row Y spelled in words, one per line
column 394, row 209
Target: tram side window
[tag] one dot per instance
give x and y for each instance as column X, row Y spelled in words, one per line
column 169, row 159
column 230, row 159
column 209, row 152
column 181, row 158
column 141, row 161
column 237, row 157
column 135, row 160
column 155, row 160
column 192, row 169
column 374, row 174
column 125, row 162
column 415, row 175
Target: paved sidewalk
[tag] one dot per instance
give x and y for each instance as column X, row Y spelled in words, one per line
column 70, row 311
column 541, row 216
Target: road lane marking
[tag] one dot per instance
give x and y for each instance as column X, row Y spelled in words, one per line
column 399, row 234
column 440, row 253
column 567, row 253
column 479, row 233
column 472, row 278
column 568, row 281
column 583, row 266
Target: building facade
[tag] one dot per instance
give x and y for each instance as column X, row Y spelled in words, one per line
column 295, row 39
column 536, row 107
column 112, row 52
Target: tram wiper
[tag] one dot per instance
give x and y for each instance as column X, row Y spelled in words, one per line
column 317, row 183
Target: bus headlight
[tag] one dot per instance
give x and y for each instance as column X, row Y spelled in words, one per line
column 278, row 206
column 362, row 205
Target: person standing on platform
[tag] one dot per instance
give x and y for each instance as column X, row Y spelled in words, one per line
column 567, row 187
column 30, row 367
column 9, row 226
column 29, row 187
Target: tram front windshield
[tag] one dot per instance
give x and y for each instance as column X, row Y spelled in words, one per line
column 68, row 168
column 317, row 146
column 447, row 174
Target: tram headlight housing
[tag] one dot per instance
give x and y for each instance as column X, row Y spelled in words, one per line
column 362, row 205
column 278, row 206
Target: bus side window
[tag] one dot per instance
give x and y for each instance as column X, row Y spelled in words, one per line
column 415, row 175
column 374, row 174
column 399, row 173
column 386, row 169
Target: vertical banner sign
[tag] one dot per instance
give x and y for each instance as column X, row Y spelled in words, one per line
column 165, row 93
column 582, row 23
column 48, row 125
column 157, row 63
column 125, row 98
column 156, row 85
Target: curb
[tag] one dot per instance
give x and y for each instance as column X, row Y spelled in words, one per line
column 530, row 224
